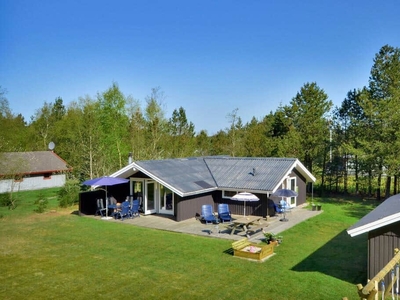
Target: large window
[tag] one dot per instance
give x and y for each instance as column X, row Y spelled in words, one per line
column 228, row 194
column 291, row 184
column 166, row 198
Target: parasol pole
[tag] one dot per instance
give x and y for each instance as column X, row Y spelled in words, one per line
column 106, row 204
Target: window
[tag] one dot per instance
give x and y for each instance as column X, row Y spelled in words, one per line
column 291, row 185
column 228, row 194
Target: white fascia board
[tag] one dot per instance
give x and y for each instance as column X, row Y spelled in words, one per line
column 198, row 192
column 286, row 176
column 159, row 180
column 134, row 166
column 131, row 166
column 374, row 225
column 305, row 171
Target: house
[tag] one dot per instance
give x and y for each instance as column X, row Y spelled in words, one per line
column 21, row 171
column 383, row 228
column 179, row 187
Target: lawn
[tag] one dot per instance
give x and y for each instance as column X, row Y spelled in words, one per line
column 58, row 254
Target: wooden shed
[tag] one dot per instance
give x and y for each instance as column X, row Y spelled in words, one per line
column 382, row 225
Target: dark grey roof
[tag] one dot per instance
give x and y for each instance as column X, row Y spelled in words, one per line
column 35, row 162
column 386, row 213
column 247, row 173
column 187, row 175
column 196, row 175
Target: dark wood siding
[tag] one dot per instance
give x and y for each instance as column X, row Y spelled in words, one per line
column 301, row 185
column 188, row 207
column 256, row 208
column 87, row 201
column 381, row 245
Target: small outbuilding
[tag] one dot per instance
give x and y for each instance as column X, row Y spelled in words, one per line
column 383, row 228
column 22, row 171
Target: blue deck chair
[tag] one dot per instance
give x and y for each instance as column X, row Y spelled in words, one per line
column 285, row 209
column 207, row 214
column 100, row 208
column 124, row 212
column 278, row 209
column 134, row 208
column 224, row 214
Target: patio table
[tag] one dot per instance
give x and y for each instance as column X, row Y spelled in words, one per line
column 243, row 223
column 115, row 208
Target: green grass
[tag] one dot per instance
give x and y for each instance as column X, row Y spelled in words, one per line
column 59, row 254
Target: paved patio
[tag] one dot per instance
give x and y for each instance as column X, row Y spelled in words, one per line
column 195, row 227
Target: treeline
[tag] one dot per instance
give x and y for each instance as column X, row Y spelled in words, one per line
column 352, row 148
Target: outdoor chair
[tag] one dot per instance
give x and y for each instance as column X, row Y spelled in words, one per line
column 207, row 214
column 278, row 209
column 224, row 214
column 285, row 206
column 125, row 211
column 100, row 208
column 134, row 210
column 285, row 209
column 112, row 201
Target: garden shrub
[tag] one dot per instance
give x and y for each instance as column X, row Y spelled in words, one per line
column 69, row 193
column 9, row 199
column 41, row 203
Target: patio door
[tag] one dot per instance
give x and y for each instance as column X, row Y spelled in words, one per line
column 292, row 185
column 166, row 201
column 137, row 189
column 150, row 197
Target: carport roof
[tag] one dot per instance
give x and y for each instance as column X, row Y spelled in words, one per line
column 190, row 176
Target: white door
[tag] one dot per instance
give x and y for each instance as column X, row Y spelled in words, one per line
column 166, row 201
column 292, row 185
column 150, row 196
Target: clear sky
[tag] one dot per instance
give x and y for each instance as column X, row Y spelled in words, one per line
column 210, row 57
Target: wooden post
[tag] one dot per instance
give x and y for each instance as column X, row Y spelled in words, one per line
column 371, row 287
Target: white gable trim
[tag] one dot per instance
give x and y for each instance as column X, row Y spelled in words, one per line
column 301, row 168
column 374, row 225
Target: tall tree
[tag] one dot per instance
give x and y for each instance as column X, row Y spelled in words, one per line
column 383, row 102
column 308, row 111
column 114, row 124
column 235, row 133
column 137, row 130
column 255, row 139
column 347, row 126
column 156, row 124
column 13, row 134
column 203, row 144
column 181, row 134
column 44, row 123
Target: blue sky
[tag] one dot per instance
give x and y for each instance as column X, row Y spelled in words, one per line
column 210, row 57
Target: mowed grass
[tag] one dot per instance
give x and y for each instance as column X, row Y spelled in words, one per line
column 60, row 255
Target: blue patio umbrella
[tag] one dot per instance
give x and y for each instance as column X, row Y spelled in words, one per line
column 285, row 193
column 105, row 181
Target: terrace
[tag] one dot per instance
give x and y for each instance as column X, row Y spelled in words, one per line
column 195, row 227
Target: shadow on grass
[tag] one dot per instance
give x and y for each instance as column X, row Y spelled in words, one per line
column 343, row 257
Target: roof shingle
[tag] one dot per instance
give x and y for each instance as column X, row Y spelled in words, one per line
column 35, row 162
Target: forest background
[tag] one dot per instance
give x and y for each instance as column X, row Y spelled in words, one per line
column 352, row 148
